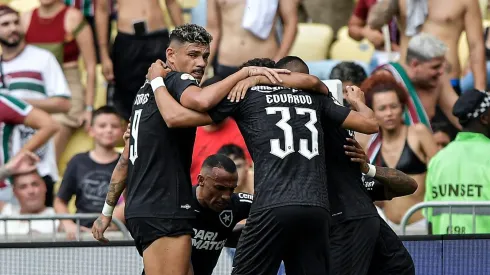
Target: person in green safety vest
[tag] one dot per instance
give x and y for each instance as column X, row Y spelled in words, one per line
column 461, row 171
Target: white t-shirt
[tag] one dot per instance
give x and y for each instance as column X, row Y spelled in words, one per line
column 34, row 74
column 22, row 227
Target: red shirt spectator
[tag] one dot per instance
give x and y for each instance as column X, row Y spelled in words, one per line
column 208, row 142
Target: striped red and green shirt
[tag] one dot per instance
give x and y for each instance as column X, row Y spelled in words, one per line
column 88, row 6
column 13, row 111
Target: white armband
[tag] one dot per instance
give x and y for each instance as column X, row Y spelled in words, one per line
column 157, row 83
column 107, row 210
column 372, row 171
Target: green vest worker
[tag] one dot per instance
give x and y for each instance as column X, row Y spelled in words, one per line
column 461, row 171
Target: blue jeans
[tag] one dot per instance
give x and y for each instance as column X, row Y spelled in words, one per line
column 468, row 81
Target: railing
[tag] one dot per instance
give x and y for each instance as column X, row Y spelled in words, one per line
column 77, row 217
column 444, row 204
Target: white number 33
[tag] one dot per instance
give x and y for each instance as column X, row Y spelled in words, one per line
column 288, row 133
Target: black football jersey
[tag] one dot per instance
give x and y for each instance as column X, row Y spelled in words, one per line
column 282, row 128
column 212, row 229
column 348, row 196
column 158, row 183
column 375, row 188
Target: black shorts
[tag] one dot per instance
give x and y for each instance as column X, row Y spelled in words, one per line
column 132, row 56
column 147, row 230
column 390, row 255
column 297, row 235
column 368, row 246
column 352, row 245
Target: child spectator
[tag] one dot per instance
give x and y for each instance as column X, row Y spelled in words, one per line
column 88, row 174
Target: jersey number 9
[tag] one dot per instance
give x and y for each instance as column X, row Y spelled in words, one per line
column 135, row 124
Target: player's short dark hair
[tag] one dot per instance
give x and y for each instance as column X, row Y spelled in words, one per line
column 211, row 81
column 259, row 62
column 293, row 63
column 191, row 33
column 232, row 150
column 108, row 110
column 380, row 83
column 219, row 161
column 349, row 71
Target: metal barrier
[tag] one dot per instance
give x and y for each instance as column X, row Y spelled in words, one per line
column 444, row 204
column 77, row 217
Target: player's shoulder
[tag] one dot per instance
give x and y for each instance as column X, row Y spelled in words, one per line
column 267, row 89
column 173, row 76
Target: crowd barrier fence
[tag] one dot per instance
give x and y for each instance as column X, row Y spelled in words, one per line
column 451, row 207
column 432, row 255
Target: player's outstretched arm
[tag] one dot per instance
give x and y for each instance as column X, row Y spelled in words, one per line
column 362, row 119
column 203, row 99
column 294, row 80
column 176, row 115
column 394, row 183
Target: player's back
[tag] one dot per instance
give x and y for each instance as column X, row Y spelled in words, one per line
column 158, row 177
column 282, row 129
column 347, row 193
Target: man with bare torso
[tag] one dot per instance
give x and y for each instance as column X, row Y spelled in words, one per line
column 446, row 19
column 142, row 38
column 233, row 44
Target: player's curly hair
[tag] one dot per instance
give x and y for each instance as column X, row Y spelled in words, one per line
column 379, row 83
column 259, row 62
column 191, row 33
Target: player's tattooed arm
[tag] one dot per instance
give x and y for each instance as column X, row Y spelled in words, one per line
column 118, row 179
column 396, row 183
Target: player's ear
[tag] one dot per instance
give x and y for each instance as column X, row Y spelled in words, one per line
column 200, row 180
column 170, row 54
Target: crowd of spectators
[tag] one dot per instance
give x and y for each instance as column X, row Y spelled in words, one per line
column 51, row 55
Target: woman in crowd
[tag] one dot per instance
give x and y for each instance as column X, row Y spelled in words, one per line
column 407, row 148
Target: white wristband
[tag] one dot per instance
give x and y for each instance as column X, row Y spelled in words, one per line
column 107, row 210
column 157, row 83
column 372, row 171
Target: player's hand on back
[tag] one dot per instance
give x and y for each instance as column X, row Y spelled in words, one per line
column 238, row 92
column 100, row 226
column 272, row 74
column 354, row 94
column 356, row 153
column 158, row 69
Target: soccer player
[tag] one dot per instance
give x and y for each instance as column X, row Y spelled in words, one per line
column 157, row 160
column 218, row 211
column 360, row 241
column 289, row 219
